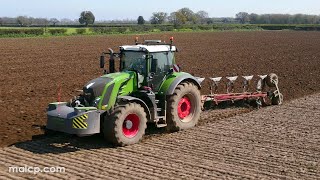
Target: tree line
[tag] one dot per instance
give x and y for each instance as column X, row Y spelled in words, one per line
column 183, row 16
column 244, row 17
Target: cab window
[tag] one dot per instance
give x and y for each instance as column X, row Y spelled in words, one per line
column 161, row 64
column 164, row 61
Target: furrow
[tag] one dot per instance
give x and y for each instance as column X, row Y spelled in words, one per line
column 50, row 160
column 72, row 162
column 149, row 163
column 233, row 158
column 194, row 154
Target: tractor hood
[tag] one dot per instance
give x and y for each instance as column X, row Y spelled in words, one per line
column 96, row 86
column 103, row 91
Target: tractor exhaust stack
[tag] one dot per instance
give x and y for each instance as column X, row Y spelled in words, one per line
column 111, row 62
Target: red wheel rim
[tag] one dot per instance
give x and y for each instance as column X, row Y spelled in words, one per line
column 184, row 107
column 130, row 125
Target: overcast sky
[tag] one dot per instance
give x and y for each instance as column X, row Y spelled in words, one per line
column 131, row 9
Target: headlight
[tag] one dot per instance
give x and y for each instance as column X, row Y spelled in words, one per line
column 96, row 102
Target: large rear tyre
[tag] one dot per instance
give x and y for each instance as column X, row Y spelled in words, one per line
column 184, row 107
column 126, row 125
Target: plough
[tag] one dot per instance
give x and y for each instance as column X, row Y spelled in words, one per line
column 267, row 91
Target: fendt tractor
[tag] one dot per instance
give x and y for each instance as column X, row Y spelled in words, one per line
column 148, row 88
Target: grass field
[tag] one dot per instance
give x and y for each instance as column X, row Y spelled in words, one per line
column 70, row 30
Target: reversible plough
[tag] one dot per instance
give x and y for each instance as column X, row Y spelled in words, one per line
column 266, row 91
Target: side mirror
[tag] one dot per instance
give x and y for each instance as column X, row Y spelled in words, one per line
column 154, row 65
column 102, row 61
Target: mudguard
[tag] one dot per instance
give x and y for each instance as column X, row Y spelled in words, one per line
column 170, row 84
column 139, row 101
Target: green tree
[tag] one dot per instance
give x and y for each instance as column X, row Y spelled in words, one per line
column 243, row 17
column 184, row 16
column 210, row 21
column 86, row 17
column 188, row 14
column 158, row 17
column 141, row 20
column 177, row 18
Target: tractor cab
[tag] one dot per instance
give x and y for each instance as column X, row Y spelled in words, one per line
column 151, row 60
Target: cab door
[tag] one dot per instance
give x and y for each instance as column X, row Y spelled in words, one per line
column 161, row 63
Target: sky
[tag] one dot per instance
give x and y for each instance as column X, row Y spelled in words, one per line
column 130, row 9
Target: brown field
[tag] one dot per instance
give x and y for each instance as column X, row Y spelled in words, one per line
column 271, row 143
column 264, row 143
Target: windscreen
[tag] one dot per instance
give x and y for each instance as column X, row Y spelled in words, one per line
column 134, row 61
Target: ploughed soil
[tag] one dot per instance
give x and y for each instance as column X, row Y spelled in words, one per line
column 277, row 142
column 34, row 69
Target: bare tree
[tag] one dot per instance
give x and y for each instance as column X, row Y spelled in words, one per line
column 202, row 16
column 24, row 21
column 40, row 21
column 243, row 17
column 254, row 18
column 9, row 21
column 67, row 21
column 54, row 21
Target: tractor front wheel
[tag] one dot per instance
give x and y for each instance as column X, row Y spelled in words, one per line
column 184, row 107
column 126, row 125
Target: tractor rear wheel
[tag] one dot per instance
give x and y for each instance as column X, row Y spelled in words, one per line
column 126, row 125
column 184, row 107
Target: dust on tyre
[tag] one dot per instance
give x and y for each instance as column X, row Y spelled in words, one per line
column 184, row 107
column 126, row 125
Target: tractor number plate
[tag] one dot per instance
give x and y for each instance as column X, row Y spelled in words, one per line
column 79, row 122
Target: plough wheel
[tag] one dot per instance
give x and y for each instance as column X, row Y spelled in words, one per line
column 272, row 80
column 184, row 107
column 277, row 100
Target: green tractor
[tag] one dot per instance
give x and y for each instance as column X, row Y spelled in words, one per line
column 148, row 88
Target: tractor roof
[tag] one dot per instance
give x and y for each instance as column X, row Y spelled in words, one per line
column 149, row 48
